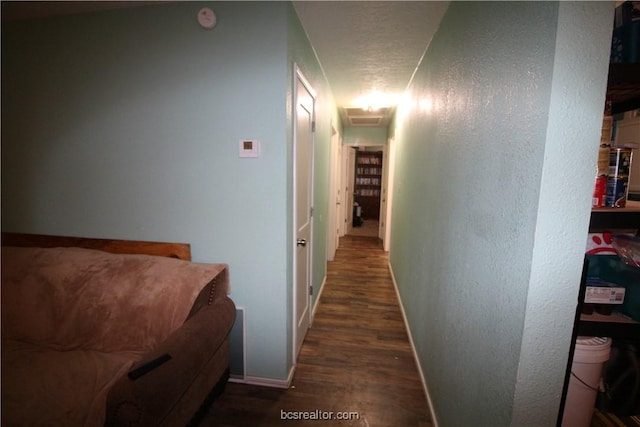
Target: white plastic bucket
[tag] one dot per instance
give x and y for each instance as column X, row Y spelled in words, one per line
column 586, row 371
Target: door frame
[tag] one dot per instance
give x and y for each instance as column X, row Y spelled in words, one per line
column 348, row 183
column 349, row 159
column 333, row 228
column 382, row 221
column 298, row 76
column 389, row 178
column 344, row 156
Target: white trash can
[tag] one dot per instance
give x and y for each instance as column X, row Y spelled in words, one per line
column 586, row 372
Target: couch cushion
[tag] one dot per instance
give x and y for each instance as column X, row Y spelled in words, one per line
column 44, row 387
column 82, row 299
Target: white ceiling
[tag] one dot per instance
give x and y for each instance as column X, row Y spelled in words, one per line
column 363, row 46
column 366, row 46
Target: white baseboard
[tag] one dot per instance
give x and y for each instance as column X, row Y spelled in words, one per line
column 270, row 382
column 317, row 299
column 266, row 382
column 434, row 420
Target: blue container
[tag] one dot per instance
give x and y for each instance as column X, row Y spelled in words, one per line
column 616, row 196
column 611, row 268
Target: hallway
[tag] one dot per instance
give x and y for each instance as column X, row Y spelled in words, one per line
column 356, row 361
column 369, row 228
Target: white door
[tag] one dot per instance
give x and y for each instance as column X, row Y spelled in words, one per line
column 344, row 215
column 333, row 232
column 351, row 178
column 391, row 146
column 303, row 196
column 382, row 233
column 339, row 202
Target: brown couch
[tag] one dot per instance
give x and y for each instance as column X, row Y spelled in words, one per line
column 91, row 338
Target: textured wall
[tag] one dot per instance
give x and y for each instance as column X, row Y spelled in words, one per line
column 580, row 71
column 300, row 53
column 471, row 143
column 365, row 135
column 125, row 124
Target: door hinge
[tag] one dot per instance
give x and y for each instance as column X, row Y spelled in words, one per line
column 311, row 211
column 313, row 126
column 310, row 290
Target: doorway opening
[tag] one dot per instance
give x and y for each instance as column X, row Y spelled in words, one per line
column 368, row 191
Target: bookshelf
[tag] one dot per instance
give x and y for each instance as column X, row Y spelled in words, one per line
column 368, row 183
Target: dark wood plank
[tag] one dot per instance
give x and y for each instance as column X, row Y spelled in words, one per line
column 165, row 249
column 355, row 358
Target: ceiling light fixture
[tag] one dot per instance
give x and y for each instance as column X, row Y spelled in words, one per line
column 375, row 101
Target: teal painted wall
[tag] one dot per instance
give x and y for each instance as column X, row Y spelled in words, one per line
column 365, row 135
column 478, row 244
column 125, row 124
column 301, row 54
column 581, row 61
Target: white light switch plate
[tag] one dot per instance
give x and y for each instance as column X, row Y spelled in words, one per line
column 249, row 148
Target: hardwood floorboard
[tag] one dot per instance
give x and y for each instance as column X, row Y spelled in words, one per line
column 356, row 357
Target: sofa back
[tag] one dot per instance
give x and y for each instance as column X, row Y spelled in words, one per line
column 72, row 298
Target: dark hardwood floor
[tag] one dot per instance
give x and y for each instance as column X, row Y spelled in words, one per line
column 356, row 361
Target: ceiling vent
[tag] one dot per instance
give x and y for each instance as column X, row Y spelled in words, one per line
column 365, row 121
column 352, row 116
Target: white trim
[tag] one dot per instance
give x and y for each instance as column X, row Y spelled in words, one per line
column 267, row 382
column 348, row 183
column 298, row 76
column 434, row 420
column 315, row 306
column 391, row 151
column 305, row 82
column 382, row 216
column 335, row 170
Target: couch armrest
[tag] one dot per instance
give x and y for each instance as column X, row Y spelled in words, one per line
column 161, row 394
